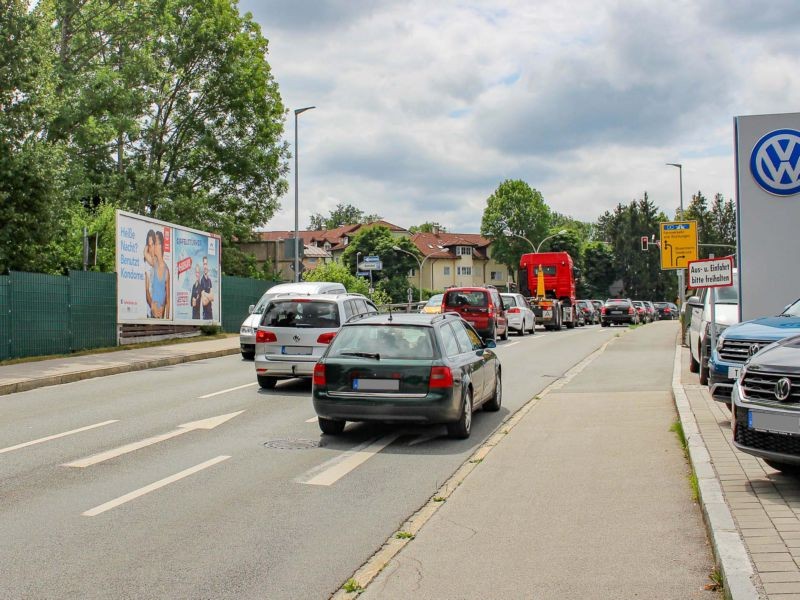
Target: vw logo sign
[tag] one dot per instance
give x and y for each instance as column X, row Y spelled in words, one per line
column 753, row 349
column 775, row 162
column 296, row 338
column 783, row 387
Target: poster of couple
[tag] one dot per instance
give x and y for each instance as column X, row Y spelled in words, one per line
column 166, row 272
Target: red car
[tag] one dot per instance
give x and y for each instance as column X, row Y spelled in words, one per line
column 481, row 307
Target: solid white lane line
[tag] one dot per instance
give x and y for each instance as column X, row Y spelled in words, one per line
column 509, row 345
column 312, row 420
column 56, row 436
column 424, row 438
column 93, row 512
column 209, row 423
column 233, row 389
column 332, row 471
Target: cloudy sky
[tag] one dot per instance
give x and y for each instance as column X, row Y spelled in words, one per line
column 424, row 107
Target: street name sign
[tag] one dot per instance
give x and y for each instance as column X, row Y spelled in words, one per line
column 678, row 244
column 370, row 266
column 711, row 272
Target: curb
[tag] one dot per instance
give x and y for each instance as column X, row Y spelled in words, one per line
column 391, row 547
column 730, row 553
column 32, row 384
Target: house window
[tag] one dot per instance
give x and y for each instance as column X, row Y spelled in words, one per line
column 463, row 250
column 463, row 270
column 327, row 246
column 345, row 240
column 446, row 271
column 495, row 276
column 412, row 272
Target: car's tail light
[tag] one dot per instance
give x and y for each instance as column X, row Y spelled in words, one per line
column 263, row 336
column 514, row 310
column 319, row 374
column 630, row 310
column 603, row 310
column 667, row 311
column 441, row 377
column 326, row 338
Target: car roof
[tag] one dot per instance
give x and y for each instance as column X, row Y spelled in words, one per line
column 398, row 318
column 327, row 297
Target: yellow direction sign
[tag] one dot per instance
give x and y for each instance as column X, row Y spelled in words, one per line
column 678, row 244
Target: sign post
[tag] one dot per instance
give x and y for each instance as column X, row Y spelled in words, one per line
column 678, row 244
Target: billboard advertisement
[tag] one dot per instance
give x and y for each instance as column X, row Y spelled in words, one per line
column 768, row 212
column 166, row 272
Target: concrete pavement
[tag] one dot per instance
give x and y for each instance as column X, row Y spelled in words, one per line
column 25, row 376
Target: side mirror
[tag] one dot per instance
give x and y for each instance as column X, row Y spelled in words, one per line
column 489, row 343
column 693, row 300
column 251, row 309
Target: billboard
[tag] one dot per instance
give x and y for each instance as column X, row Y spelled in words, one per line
column 767, row 212
column 166, row 272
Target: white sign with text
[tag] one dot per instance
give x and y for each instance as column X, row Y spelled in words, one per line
column 712, row 272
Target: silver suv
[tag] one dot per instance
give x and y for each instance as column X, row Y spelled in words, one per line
column 295, row 330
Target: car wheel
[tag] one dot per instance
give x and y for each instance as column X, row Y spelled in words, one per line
column 331, row 426
column 248, row 355
column 787, row 468
column 493, row 403
column 521, row 331
column 533, row 326
column 603, row 324
column 461, row 428
column 703, row 365
column 266, row 383
column 505, row 333
column 492, row 331
column 694, row 366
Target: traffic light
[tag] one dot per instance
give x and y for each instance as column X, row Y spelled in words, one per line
column 644, row 243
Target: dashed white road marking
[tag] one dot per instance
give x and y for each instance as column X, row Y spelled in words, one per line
column 312, row 420
column 56, row 436
column 93, row 512
column 233, row 389
column 333, row 470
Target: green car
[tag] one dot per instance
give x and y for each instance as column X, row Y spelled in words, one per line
column 406, row 368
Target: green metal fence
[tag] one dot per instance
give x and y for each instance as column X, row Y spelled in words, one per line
column 238, row 293
column 40, row 322
column 5, row 318
column 93, row 309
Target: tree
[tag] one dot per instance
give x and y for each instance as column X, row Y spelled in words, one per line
column 170, row 110
column 520, row 209
column 337, row 271
column 427, row 227
column 716, row 227
column 343, row 214
column 598, row 270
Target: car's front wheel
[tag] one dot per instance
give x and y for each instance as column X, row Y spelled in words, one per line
column 493, row 403
column 505, row 333
column 787, row 468
column 331, row 426
column 703, row 365
column 461, row 428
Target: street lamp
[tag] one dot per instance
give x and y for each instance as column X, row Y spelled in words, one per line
column 357, row 255
column 420, row 263
column 297, row 111
column 562, row 232
column 681, row 292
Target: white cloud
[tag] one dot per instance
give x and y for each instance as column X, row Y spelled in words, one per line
column 424, row 108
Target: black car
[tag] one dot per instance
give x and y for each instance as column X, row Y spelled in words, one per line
column 618, row 311
column 766, row 406
column 406, row 368
column 667, row 311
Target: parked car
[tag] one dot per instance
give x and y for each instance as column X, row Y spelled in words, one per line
column 519, row 315
column 766, row 406
column 727, row 313
column 247, row 332
column 480, row 306
column 739, row 342
column 652, row 313
column 598, row 307
column 433, row 306
column 618, row 311
column 586, row 308
column 641, row 311
column 406, row 368
column 295, row 331
column 667, row 311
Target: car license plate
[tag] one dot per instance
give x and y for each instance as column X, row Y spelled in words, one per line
column 296, row 350
column 774, row 422
column 616, row 312
column 384, row 385
column 733, row 372
column 547, row 314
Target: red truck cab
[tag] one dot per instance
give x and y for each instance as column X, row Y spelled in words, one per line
column 556, row 303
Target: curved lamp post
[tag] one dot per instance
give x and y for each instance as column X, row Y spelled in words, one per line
column 681, row 285
column 297, row 112
column 419, row 262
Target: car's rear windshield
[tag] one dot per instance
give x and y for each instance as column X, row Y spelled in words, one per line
column 661, row 304
column 379, row 342
column 301, row 313
column 615, row 301
column 508, row 301
column 727, row 295
column 465, row 298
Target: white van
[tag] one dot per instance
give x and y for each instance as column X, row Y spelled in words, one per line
column 247, row 332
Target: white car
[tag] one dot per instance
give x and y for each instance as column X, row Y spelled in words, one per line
column 295, row 331
column 726, row 309
column 519, row 314
column 247, row 332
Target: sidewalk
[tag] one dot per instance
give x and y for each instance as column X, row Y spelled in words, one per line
column 588, row 496
column 31, row 375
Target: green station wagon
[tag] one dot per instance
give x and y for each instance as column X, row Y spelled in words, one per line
column 406, row 368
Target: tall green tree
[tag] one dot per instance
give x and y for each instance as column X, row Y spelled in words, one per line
column 343, row 214
column 516, row 208
column 427, row 227
column 598, row 270
column 716, row 226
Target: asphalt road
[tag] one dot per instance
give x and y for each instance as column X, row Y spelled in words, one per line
column 110, row 488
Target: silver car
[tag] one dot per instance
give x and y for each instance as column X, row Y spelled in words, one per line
column 519, row 314
column 247, row 332
column 295, row 330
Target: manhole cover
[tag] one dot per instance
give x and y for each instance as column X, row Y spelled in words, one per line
column 292, row 444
